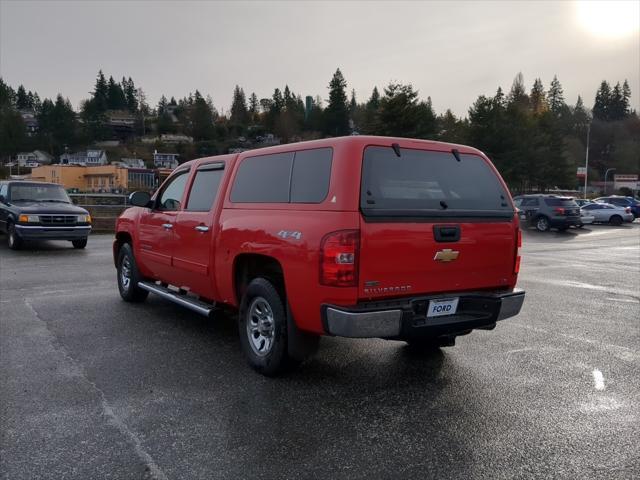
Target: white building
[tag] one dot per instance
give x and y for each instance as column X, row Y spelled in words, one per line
column 33, row 159
column 175, row 138
column 165, row 160
column 89, row 158
column 132, row 162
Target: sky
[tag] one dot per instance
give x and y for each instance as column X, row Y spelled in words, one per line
column 450, row 51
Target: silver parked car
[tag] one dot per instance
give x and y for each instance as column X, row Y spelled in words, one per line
column 606, row 213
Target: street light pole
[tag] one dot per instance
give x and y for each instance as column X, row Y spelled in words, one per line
column 605, row 179
column 586, row 161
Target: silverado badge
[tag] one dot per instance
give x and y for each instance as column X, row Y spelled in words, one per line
column 446, row 255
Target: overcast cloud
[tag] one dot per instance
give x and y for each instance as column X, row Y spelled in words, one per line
column 450, row 51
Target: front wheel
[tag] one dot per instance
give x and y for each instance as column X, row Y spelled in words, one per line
column 542, row 224
column 263, row 328
column 13, row 240
column 128, row 276
column 81, row 243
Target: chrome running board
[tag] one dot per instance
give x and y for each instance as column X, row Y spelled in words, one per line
column 181, row 299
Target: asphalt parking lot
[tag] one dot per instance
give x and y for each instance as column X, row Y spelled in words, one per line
column 92, row 387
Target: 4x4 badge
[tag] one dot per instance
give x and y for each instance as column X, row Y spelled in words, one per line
column 446, row 255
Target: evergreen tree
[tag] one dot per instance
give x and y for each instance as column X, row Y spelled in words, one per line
column 115, row 96
column 7, row 95
column 626, row 97
column 602, row 102
column 401, row 114
column 374, row 100
column 352, row 103
column 100, row 94
column 254, row 107
column 518, row 95
column 239, row 112
column 201, row 119
column 13, row 133
column 22, row 100
column 337, row 113
column 617, row 106
column 130, row 94
column 538, row 98
column 556, row 96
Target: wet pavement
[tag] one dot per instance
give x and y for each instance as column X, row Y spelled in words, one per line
column 92, row 387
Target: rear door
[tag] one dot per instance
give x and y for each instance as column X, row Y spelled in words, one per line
column 433, row 223
column 195, row 230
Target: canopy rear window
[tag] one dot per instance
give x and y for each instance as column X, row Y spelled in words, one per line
column 431, row 184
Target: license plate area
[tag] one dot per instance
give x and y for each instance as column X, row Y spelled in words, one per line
column 442, row 307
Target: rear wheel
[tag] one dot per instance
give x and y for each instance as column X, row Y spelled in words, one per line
column 13, row 240
column 79, row 243
column 615, row 220
column 263, row 328
column 128, row 276
column 542, row 223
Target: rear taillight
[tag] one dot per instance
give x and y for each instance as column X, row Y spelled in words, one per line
column 628, row 209
column 339, row 253
column 559, row 211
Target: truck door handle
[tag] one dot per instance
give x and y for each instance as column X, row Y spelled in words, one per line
column 167, row 226
column 202, row 228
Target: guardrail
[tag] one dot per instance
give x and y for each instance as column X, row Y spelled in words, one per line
column 104, row 208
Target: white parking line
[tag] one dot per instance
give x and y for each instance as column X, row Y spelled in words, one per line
column 598, row 379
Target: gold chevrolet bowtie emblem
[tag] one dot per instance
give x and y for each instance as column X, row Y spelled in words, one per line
column 446, row 255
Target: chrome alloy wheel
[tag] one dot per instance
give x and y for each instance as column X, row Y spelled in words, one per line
column 260, row 326
column 125, row 273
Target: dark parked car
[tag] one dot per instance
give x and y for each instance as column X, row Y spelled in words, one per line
column 548, row 211
column 620, row 201
column 41, row 211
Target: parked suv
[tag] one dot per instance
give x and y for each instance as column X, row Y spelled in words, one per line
column 355, row 237
column 619, row 201
column 548, row 211
column 41, row 211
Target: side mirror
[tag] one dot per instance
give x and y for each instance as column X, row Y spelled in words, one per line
column 2, row 199
column 140, row 199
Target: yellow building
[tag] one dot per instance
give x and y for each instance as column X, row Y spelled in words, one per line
column 103, row 178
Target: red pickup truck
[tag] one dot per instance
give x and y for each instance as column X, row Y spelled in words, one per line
column 357, row 237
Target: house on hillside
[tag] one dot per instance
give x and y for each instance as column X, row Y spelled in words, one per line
column 121, row 122
column 89, row 158
column 175, row 138
column 34, row 159
column 132, row 162
column 165, row 160
column 30, row 121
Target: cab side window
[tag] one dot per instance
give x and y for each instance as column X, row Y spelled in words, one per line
column 205, row 188
column 4, row 190
column 171, row 195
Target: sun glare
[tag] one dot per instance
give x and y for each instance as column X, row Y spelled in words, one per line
column 613, row 19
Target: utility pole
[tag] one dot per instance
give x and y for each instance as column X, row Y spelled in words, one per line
column 586, row 161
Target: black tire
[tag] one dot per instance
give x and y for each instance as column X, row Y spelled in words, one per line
column 542, row 223
column 615, row 220
column 563, row 229
column 13, row 239
column 128, row 269
column 580, row 226
column 79, row 243
column 262, row 324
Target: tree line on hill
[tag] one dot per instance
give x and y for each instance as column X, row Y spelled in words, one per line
column 535, row 138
